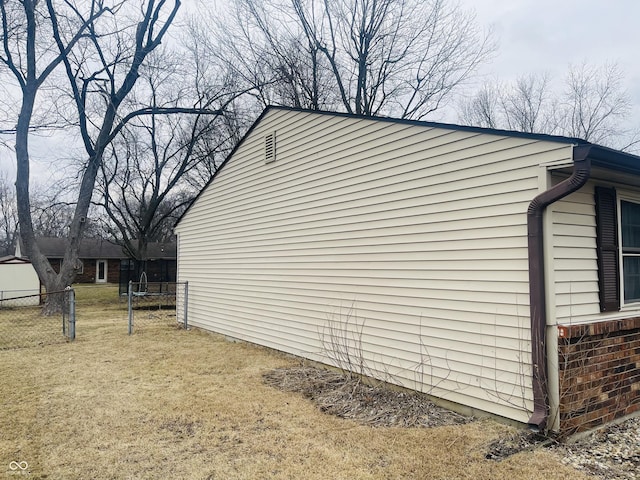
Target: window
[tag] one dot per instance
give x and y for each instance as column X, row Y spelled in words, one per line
column 618, row 244
column 630, row 233
column 127, row 264
column 101, row 271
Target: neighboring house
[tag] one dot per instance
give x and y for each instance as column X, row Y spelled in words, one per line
column 99, row 260
column 102, row 261
column 497, row 271
column 160, row 266
column 18, row 279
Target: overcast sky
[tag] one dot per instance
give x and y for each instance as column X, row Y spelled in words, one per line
column 547, row 35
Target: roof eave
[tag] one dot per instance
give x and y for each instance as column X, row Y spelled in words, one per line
column 614, row 160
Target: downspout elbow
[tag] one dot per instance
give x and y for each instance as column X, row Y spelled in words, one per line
column 537, row 295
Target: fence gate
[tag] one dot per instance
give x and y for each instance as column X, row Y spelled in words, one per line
column 23, row 325
column 157, row 303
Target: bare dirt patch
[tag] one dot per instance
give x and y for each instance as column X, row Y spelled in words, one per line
column 515, row 442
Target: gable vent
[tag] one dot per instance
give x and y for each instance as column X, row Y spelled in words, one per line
column 270, row 148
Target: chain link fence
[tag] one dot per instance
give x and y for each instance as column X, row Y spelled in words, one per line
column 157, row 303
column 146, row 305
column 22, row 323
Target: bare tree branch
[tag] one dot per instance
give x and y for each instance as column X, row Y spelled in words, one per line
column 370, row 57
column 593, row 106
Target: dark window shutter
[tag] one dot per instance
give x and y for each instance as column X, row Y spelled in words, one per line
column 607, row 246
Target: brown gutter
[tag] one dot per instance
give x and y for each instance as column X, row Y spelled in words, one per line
column 537, row 294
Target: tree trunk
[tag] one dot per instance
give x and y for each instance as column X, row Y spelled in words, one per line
column 54, row 301
column 51, row 280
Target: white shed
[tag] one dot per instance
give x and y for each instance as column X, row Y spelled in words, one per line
column 18, row 278
column 428, row 255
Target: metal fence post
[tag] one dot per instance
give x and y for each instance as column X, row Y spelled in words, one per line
column 72, row 314
column 66, row 308
column 186, row 303
column 130, row 306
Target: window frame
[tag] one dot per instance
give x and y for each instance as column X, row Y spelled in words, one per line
column 104, row 262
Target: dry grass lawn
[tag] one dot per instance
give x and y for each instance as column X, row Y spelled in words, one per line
column 173, row 404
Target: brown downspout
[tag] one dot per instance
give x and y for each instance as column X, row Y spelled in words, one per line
column 537, row 294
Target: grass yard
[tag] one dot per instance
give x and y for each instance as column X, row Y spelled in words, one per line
column 173, row 404
column 24, row 326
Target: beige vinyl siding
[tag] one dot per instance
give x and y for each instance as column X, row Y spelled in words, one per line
column 414, row 236
column 575, row 257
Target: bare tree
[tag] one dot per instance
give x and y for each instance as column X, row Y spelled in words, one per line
column 100, row 46
column 593, row 106
column 52, row 212
column 523, row 106
column 369, row 57
column 158, row 162
column 484, row 108
column 145, row 180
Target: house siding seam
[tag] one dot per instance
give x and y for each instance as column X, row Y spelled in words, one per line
column 599, row 373
column 414, row 236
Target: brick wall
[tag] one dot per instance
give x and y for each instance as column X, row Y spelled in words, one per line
column 599, row 373
column 88, row 274
column 113, row 270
